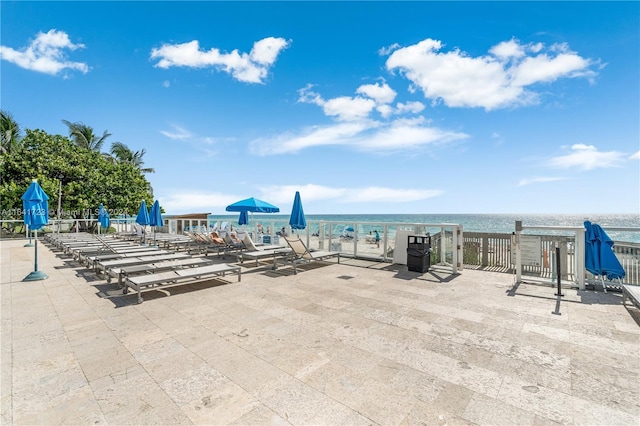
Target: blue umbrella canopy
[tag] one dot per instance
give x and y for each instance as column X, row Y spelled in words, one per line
column 244, row 217
column 599, row 256
column 252, row 205
column 155, row 217
column 103, row 216
column 297, row 219
column 143, row 214
column 35, row 204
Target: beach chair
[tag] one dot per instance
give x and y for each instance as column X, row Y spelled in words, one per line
column 253, row 252
column 302, row 254
column 158, row 265
column 179, row 276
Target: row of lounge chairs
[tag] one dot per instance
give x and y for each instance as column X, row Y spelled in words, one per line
column 136, row 266
column 145, row 266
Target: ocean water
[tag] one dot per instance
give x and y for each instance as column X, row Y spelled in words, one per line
column 493, row 223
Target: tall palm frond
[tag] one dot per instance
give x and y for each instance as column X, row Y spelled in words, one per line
column 84, row 137
column 10, row 132
column 124, row 154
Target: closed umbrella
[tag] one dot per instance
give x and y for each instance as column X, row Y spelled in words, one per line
column 143, row 217
column 103, row 218
column 35, row 204
column 297, row 219
column 155, row 218
column 599, row 256
column 244, row 218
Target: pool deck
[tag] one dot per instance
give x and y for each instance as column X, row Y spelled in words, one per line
column 337, row 344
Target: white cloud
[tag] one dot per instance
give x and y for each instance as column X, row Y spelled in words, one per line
column 507, row 49
column 366, row 135
column 635, row 156
column 311, row 192
column 178, row 133
column 355, row 127
column 587, row 157
column 500, row 79
column 166, row 84
column 335, row 134
column 413, row 107
column 382, row 94
column 250, row 67
column 529, row 181
column 384, row 51
column 344, row 108
column 185, row 200
column 45, row 54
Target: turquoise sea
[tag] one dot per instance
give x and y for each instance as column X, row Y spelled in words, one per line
column 494, row 223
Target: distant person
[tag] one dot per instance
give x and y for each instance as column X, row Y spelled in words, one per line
column 283, row 232
column 377, row 239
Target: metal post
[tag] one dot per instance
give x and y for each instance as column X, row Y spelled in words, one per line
column 518, row 251
column 36, row 275
column 59, row 202
column 558, row 273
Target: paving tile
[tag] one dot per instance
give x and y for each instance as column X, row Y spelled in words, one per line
column 384, row 347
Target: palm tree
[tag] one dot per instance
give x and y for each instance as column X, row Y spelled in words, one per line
column 10, row 132
column 84, row 137
column 124, row 154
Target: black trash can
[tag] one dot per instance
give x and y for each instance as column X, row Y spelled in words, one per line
column 419, row 253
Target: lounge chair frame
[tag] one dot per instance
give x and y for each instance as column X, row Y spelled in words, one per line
column 179, row 276
column 300, row 253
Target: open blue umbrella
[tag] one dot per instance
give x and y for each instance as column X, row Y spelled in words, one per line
column 297, row 219
column 103, row 218
column 35, row 204
column 244, row 217
column 599, row 257
column 252, row 205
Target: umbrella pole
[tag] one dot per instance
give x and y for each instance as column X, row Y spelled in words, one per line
column 36, row 275
column 29, row 244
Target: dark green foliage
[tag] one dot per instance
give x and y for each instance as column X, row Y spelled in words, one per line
column 88, row 178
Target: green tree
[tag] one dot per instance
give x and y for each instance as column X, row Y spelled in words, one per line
column 124, row 154
column 10, row 132
column 87, row 177
column 84, row 137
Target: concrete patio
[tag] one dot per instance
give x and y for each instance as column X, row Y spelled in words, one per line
column 336, row 344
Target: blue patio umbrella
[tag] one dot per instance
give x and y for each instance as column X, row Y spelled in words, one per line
column 143, row 217
column 297, row 219
column 35, row 204
column 244, row 217
column 103, row 218
column 252, row 205
column 155, row 217
column 599, row 256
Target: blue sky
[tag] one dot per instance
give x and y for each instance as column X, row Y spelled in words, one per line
column 381, row 107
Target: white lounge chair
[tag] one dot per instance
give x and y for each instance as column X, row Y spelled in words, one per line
column 302, row 254
column 179, row 276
